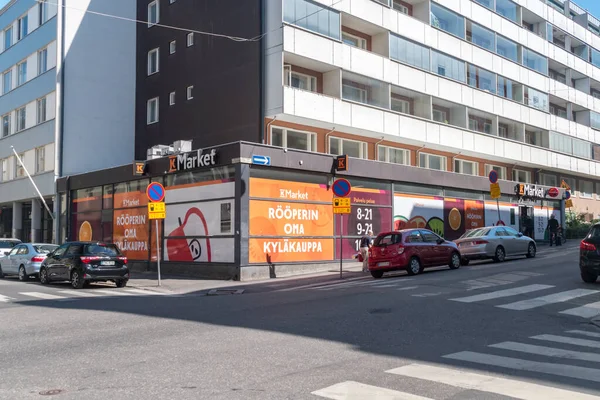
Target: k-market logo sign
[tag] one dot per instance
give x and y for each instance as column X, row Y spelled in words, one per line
column 193, row 160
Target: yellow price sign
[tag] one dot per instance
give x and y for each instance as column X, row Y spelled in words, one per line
column 495, row 190
column 158, row 207
column 157, row 215
column 342, row 210
column 341, row 202
column 569, row 203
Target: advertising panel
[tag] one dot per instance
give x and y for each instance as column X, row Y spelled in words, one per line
column 414, row 211
column 285, row 190
column 454, row 218
column 474, row 214
column 274, row 218
column 87, row 226
column 540, row 221
column 131, row 232
column 509, row 214
column 280, row 250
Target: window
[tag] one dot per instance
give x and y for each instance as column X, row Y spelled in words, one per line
column 548, row 179
column 409, row 52
column 41, row 110
column 42, row 61
column 19, row 170
column 501, row 171
column 152, row 111
column 352, row 91
column 393, row 155
column 486, row 3
column 40, row 160
column 8, row 41
column 509, row 89
column 312, row 16
column 536, row 99
column 43, row 11
column 153, row 61
column 190, row 94
column 535, row 61
column 172, row 47
column 21, row 118
column 190, row 39
column 301, row 81
column 400, row 105
column 291, row 139
column 22, row 25
column 396, row 5
column 21, row 73
column 507, row 9
column 447, row 66
column 594, row 120
column 172, row 98
column 440, row 116
column 507, row 48
column 558, row 111
column 7, row 81
column 581, row 148
column 446, row 20
column 521, row 176
column 355, row 41
column 352, row 148
column 466, row 167
column 586, row 189
column 153, row 13
column 4, row 166
column 480, row 36
column 481, row 79
column 432, row 161
column 5, row 125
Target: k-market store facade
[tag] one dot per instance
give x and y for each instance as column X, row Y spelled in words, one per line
column 230, row 219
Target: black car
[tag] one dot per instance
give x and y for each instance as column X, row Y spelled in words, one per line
column 84, row 262
column 589, row 255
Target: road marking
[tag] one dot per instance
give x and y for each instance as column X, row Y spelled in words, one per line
column 547, row 351
column 389, row 282
column 586, row 311
column 350, row 390
column 503, row 293
column 569, row 340
column 146, row 292
column 586, row 333
column 5, row 299
column 77, row 293
column 407, row 288
column 112, row 292
column 317, row 284
column 546, row 300
column 487, row 383
column 45, row 296
column 569, row 371
column 359, row 283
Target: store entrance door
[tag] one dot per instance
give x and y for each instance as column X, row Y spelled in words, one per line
column 526, row 220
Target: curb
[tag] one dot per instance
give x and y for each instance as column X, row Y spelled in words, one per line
column 156, row 289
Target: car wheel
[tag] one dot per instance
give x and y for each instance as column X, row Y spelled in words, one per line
column 1, row 273
column 465, row 261
column 77, row 280
column 414, row 266
column 454, row 261
column 22, row 274
column 588, row 277
column 123, row 283
column 44, row 276
column 500, row 255
column 531, row 250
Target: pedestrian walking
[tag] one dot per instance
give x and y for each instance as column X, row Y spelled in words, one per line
column 365, row 244
column 553, row 228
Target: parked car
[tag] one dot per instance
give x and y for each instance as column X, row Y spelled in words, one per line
column 496, row 243
column 412, row 250
column 85, row 262
column 589, row 255
column 6, row 245
column 25, row 259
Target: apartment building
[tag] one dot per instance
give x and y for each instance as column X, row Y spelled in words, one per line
column 67, row 90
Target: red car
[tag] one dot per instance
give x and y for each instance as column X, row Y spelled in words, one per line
column 412, row 250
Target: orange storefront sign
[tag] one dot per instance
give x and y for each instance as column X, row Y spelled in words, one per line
column 274, row 218
column 289, row 191
column 131, row 232
column 278, row 250
column 474, row 214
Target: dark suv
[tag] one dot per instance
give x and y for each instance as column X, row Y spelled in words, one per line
column 589, row 255
column 84, row 262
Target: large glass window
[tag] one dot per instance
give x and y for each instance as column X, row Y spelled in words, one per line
column 594, row 120
column 352, row 148
column 535, row 61
column 393, row 155
column 596, row 57
column 537, row 99
column 509, row 89
column 291, row 139
column 312, row 16
column 480, row 36
column 507, row 48
column 581, row 148
column 409, row 52
column 481, row 79
column 507, row 9
column 450, row 67
column 365, row 90
column 486, row 3
column 448, row 21
column 432, row 161
column 561, row 143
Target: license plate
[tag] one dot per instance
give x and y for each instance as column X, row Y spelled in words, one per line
column 107, row 263
column 383, row 264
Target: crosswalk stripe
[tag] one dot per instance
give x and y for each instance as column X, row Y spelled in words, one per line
column 547, row 351
column 586, row 333
column 389, row 282
column 568, row 340
column 351, row 390
column 487, row 383
column 77, row 293
column 566, row 370
column 45, row 296
column 407, row 288
column 318, row 284
column 586, row 311
column 5, row 299
column 341, row 285
column 503, row 293
column 112, row 292
column 550, row 299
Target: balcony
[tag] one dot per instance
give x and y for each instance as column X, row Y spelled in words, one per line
column 364, row 35
column 361, row 89
column 449, row 113
column 409, row 102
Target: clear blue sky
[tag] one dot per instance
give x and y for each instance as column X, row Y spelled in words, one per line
column 593, row 6
column 3, row 3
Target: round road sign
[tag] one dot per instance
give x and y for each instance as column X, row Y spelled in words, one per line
column 341, row 187
column 567, row 194
column 493, row 176
column 155, row 192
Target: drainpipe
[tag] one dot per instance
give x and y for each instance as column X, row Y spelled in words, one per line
column 59, row 112
column 377, row 148
column 267, row 130
column 454, row 157
column 327, row 141
column 418, row 152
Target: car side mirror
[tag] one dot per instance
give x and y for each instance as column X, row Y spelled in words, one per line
column 6, row 253
column 520, row 234
column 440, row 241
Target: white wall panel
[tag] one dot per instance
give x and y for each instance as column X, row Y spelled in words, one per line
column 432, row 85
column 582, row 166
column 468, row 141
column 31, row 114
column 391, row 124
column 499, row 148
column 432, row 134
column 412, row 128
column 483, row 101
column 342, row 113
column 51, row 105
column 366, row 118
column 309, row 106
column 538, row 118
column 481, row 15
column 413, row 28
column 390, row 20
column 32, row 66
column 525, row 154
column 484, row 143
column 368, row 10
column 289, row 100
column 28, row 160
column 452, row 137
column 366, row 63
column 484, row 58
column 49, row 154
column 466, row 52
column 451, row 90
column 33, row 18
column 52, row 55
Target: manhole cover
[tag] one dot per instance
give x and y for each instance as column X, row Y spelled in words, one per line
column 51, row 392
column 380, row 311
column 219, row 292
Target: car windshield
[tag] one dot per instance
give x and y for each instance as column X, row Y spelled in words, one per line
column 109, row 250
column 44, row 248
column 5, row 244
column 476, row 233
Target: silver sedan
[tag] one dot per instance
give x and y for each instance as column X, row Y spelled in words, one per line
column 24, row 259
column 495, row 242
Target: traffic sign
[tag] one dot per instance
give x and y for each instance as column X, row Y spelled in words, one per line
column 495, row 191
column 342, row 210
column 567, row 195
column 568, row 203
column 157, row 215
column 261, row 160
column 341, row 202
column 341, row 187
column 155, row 192
column 158, row 207
column 493, row 176
column 553, row 192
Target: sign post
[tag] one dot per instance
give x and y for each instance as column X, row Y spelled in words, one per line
column 156, row 210
column 495, row 191
column 341, row 205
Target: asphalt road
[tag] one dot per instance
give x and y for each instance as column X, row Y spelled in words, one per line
column 520, row 329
